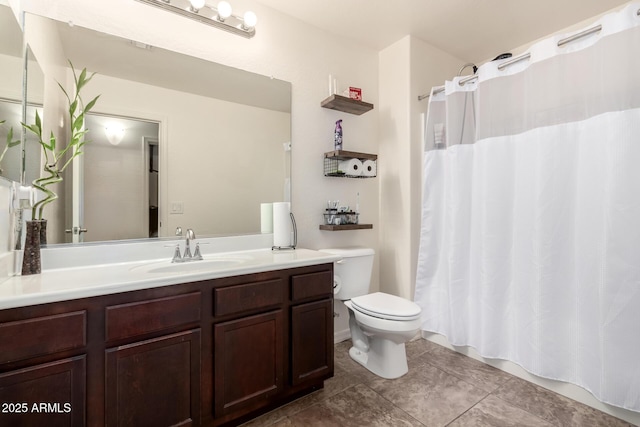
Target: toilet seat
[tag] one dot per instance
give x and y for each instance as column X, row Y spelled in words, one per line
column 386, row 306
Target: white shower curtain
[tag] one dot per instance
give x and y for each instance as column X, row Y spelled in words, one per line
column 530, row 236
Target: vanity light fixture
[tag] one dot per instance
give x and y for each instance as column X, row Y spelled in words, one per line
column 114, row 133
column 219, row 16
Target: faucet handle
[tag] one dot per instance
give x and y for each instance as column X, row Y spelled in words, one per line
column 178, row 231
column 176, row 254
column 197, row 256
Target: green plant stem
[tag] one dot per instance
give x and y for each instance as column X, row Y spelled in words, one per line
column 6, row 148
column 77, row 111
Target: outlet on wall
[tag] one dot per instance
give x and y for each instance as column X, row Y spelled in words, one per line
column 176, row 208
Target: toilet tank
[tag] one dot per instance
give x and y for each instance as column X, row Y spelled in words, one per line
column 352, row 274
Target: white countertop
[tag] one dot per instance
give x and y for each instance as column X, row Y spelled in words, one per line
column 88, row 281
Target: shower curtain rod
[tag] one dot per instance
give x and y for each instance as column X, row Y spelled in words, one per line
column 523, row 57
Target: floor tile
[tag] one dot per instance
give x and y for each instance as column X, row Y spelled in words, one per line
column 418, row 347
column 356, row 406
column 442, row 388
column 429, row 394
column 470, row 370
column 554, row 408
column 339, row 382
column 494, row 412
column 343, row 360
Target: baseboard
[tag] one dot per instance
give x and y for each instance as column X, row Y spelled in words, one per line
column 571, row 391
column 340, row 336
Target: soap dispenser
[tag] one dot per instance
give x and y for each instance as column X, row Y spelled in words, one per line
column 337, row 136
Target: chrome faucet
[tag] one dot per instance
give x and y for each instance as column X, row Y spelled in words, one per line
column 197, row 256
column 187, row 248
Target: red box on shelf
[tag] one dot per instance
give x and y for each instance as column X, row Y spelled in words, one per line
column 355, row 93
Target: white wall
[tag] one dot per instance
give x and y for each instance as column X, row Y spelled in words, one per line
column 408, row 68
column 395, row 138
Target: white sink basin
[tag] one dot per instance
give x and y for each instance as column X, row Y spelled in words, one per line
column 210, row 264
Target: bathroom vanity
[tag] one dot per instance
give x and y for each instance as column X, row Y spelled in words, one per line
column 187, row 347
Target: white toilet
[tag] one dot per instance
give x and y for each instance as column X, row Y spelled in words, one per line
column 380, row 323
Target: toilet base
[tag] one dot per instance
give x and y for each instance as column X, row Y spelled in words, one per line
column 385, row 358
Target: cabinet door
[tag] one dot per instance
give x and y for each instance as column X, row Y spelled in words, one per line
column 51, row 394
column 248, row 362
column 154, row 382
column 311, row 341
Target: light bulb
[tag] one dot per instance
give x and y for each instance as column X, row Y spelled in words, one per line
column 114, row 133
column 224, row 10
column 250, row 20
column 196, row 5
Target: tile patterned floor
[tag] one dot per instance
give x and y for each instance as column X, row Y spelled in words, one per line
column 442, row 388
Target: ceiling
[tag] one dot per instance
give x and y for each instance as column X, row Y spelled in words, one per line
column 471, row 30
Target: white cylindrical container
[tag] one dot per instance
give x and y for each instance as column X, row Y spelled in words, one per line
column 266, row 218
column 281, row 224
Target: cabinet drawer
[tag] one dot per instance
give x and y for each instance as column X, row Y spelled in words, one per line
column 250, row 296
column 311, row 285
column 43, row 335
column 143, row 317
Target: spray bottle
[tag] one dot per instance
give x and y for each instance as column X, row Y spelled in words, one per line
column 337, row 136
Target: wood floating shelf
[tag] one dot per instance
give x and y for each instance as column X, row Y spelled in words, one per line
column 345, row 227
column 346, row 105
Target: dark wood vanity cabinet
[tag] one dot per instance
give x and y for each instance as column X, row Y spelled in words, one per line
column 47, row 394
column 248, row 361
column 155, row 382
column 215, row 352
column 311, row 326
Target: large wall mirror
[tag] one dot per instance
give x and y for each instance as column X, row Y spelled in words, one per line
column 174, row 141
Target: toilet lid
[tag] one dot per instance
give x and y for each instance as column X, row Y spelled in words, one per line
column 386, row 306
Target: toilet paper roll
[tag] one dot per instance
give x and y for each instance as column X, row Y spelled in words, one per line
column 351, row 167
column 281, row 224
column 369, row 168
column 337, row 284
column 266, row 218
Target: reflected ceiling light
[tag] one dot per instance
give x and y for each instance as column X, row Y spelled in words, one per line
column 114, row 133
column 220, row 17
